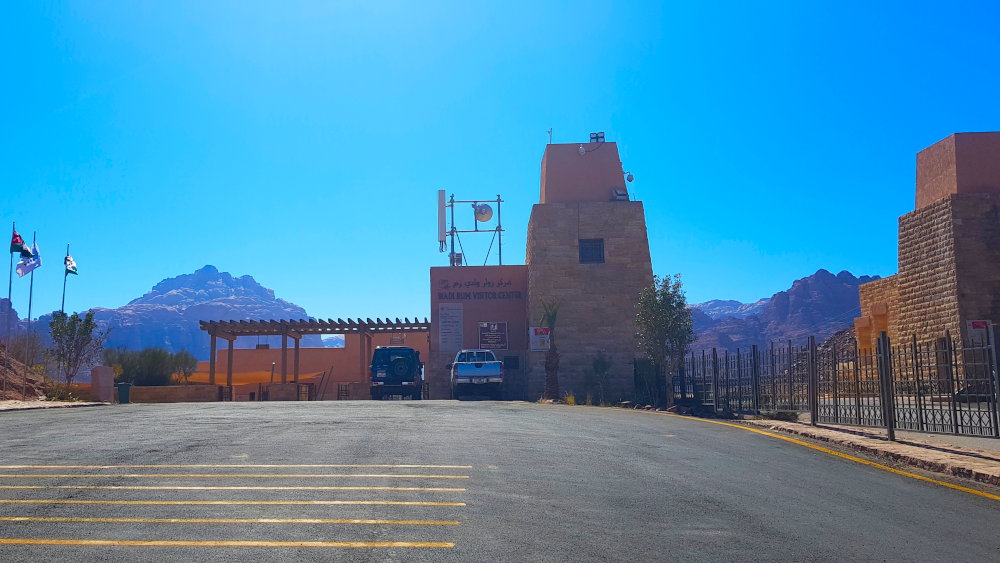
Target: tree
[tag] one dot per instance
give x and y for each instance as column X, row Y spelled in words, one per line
column 664, row 328
column 185, row 364
column 550, row 313
column 76, row 342
column 148, row 367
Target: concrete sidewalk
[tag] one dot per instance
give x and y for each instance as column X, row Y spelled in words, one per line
column 963, row 456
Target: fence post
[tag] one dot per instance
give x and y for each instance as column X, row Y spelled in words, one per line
column 994, row 379
column 811, row 382
column 885, row 385
column 755, row 375
column 715, row 380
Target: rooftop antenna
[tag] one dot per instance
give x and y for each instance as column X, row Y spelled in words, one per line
column 550, row 135
column 482, row 213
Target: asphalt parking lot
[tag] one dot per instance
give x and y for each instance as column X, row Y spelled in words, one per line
column 451, row 481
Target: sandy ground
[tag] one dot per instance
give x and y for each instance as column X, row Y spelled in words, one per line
column 12, row 405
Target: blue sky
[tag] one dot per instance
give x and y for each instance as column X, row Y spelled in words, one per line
column 303, row 143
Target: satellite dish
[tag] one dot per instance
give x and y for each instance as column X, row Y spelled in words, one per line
column 483, row 212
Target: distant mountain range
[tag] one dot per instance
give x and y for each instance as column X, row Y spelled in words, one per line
column 818, row 305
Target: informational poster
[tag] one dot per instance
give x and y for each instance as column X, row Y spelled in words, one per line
column 450, row 326
column 538, row 338
column 978, row 332
column 493, row 336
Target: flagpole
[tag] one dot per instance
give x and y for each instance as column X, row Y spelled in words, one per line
column 27, row 334
column 10, row 287
column 62, row 308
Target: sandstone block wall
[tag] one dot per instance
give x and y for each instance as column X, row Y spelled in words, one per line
column 976, row 226
column 928, row 285
column 173, row 394
column 597, row 301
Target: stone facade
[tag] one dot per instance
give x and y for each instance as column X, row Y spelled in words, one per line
column 597, row 300
column 949, row 247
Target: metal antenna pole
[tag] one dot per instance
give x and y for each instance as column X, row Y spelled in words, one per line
column 500, row 228
column 451, row 257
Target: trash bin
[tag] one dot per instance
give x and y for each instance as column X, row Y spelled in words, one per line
column 124, row 390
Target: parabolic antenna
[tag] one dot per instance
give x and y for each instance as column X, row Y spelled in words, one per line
column 483, row 212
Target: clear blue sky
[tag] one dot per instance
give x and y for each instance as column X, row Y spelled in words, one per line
column 303, row 143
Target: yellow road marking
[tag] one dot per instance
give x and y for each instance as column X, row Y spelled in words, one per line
column 846, row 456
column 232, row 475
column 233, row 502
column 169, row 543
column 340, row 466
column 227, row 488
column 227, row 521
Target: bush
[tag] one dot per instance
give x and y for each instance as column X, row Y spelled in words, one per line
column 788, row 416
column 55, row 391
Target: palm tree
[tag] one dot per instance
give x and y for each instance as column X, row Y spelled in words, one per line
column 550, row 312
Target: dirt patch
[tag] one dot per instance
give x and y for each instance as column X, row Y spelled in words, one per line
column 13, row 385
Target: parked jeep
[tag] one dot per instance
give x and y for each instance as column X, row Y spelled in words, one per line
column 396, row 370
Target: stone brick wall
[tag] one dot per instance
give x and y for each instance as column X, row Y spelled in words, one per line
column 977, row 256
column 928, row 286
column 879, row 310
column 597, row 301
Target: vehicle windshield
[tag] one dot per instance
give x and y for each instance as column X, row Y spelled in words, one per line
column 476, row 356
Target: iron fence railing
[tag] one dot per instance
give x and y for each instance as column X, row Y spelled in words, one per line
column 942, row 386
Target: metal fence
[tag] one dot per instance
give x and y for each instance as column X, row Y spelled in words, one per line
column 942, row 386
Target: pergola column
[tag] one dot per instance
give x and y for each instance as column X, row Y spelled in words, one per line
column 229, row 364
column 211, row 361
column 296, row 360
column 284, row 358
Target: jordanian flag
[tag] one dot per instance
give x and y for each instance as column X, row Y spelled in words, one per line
column 26, row 265
column 70, row 265
column 17, row 245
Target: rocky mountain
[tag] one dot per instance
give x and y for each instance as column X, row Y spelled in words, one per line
column 167, row 316
column 722, row 308
column 819, row 305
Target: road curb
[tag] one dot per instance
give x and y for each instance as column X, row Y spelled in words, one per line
column 979, row 470
column 50, row 406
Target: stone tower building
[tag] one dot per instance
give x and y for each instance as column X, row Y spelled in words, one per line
column 949, row 247
column 588, row 252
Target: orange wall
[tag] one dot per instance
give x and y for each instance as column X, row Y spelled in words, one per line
column 349, row 364
column 568, row 176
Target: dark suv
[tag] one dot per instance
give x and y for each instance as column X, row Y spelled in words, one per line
column 397, row 370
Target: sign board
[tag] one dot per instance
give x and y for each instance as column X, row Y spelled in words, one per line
column 538, row 338
column 493, row 336
column 978, row 332
column 450, row 326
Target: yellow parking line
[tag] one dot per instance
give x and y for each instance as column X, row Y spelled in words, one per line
column 341, row 466
column 846, row 456
column 226, row 521
column 227, row 488
column 230, row 476
column 234, row 502
column 170, row 543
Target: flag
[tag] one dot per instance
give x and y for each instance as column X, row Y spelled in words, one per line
column 17, row 245
column 70, row 265
column 26, row 265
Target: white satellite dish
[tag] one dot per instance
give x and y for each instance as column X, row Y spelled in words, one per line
column 483, row 212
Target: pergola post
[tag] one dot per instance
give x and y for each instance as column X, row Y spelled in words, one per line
column 229, row 364
column 211, row 361
column 284, row 358
column 296, row 360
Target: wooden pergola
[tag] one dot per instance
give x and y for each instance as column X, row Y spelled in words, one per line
column 231, row 330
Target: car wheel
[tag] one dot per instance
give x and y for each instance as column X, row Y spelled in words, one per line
column 400, row 368
column 416, row 394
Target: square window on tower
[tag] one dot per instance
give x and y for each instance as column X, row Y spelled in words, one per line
column 591, row 251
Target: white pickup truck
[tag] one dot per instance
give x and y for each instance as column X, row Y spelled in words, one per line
column 476, row 372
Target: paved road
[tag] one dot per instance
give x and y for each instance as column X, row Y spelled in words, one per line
column 450, row 481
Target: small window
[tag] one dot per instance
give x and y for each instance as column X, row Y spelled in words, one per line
column 591, row 251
